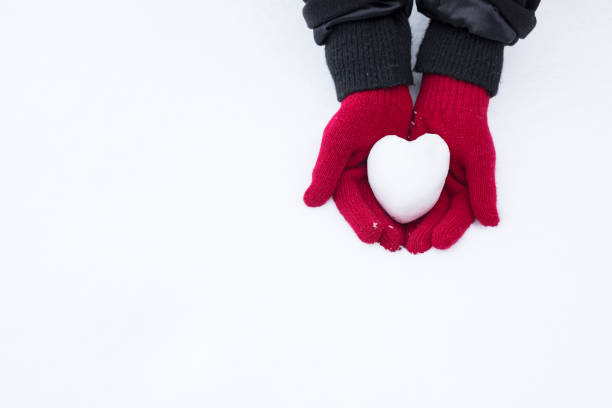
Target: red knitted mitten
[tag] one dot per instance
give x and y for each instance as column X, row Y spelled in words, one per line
column 363, row 119
column 457, row 111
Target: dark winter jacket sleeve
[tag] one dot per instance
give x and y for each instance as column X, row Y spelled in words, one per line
column 367, row 43
column 466, row 38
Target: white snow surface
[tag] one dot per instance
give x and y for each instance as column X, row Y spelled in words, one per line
column 155, row 251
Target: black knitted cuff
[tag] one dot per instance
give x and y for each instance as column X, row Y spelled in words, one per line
column 456, row 53
column 370, row 54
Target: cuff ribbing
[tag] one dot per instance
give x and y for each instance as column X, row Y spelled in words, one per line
column 454, row 52
column 442, row 93
column 370, row 54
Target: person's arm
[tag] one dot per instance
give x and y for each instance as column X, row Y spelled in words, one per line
column 367, row 46
column 466, row 38
column 367, row 43
column 461, row 57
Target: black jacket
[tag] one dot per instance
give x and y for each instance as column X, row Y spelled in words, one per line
column 367, row 42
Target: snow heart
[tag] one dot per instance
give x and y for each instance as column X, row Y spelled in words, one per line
column 407, row 177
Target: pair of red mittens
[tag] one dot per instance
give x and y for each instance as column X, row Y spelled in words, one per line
column 455, row 110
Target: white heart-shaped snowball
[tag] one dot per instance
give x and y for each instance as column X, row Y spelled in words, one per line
column 407, row 177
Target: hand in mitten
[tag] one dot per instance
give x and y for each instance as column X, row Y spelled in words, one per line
column 457, row 111
column 363, row 119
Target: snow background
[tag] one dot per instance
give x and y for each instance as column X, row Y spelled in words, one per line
column 154, row 249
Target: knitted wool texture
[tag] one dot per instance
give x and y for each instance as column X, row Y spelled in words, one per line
column 340, row 170
column 457, row 111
